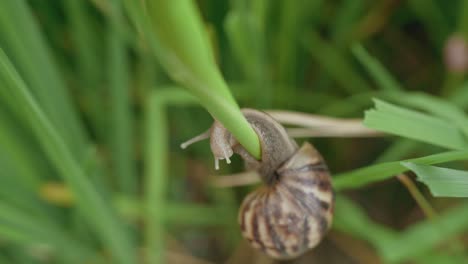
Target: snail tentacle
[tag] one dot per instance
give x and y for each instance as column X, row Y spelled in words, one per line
column 195, row 139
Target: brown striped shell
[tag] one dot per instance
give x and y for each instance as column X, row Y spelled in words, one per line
column 293, row 210
column 289, row 217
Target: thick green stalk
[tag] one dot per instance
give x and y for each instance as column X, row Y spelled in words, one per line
column 185, row 52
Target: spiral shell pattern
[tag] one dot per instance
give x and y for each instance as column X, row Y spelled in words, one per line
column 291, row 215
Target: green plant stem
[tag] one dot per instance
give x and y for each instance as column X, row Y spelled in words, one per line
column 121, row 115
column 156, row 162
column 185, row 52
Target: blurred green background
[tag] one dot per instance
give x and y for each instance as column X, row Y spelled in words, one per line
column 90, row 126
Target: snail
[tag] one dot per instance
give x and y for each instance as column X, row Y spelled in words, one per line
column 293, row 209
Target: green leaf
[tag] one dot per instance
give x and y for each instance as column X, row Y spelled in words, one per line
column 434, row 105
column 95, row 208
column 156, row 170
column 25, row 45
column 121, row 140
column 336, row 64
column 403, row 122
column 442, row 182
column 382, row 171
column 381, row 76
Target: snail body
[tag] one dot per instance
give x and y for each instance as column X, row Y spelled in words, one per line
column 292, row 211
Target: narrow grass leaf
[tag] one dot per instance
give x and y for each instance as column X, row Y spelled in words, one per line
column 293, row 14
column 89, row 62
column 415, row 125
column 97, row 211
column 23, row 41
column 363, row 176
column 442, row 182
column 85, row 43
column 431, row 104
column 380, row 75
column 156, row 168
column 21, row 153
column 121, row 116
column 398, row 150
column 241, row 24
column 438, row 107
column 335, row 63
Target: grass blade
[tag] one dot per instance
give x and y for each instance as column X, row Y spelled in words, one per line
column 242, row 24
column 89, row 62
column 84, row 38
column 381, row 76
column 121, row 115
column 156, row 161
column 20, row 153
column 441, row 181
column 379, row 172
column 411, row 124
column 23, row 41
column 434, row 105
column 336, row 64
column 95, row 208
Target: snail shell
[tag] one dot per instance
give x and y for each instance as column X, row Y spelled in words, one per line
column 293, row 209
column 290, row 216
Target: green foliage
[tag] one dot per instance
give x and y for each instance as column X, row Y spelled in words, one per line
column 441, row 181
column 90, row 124
column 412, row 124
column 183, row 48
column 381, row 171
